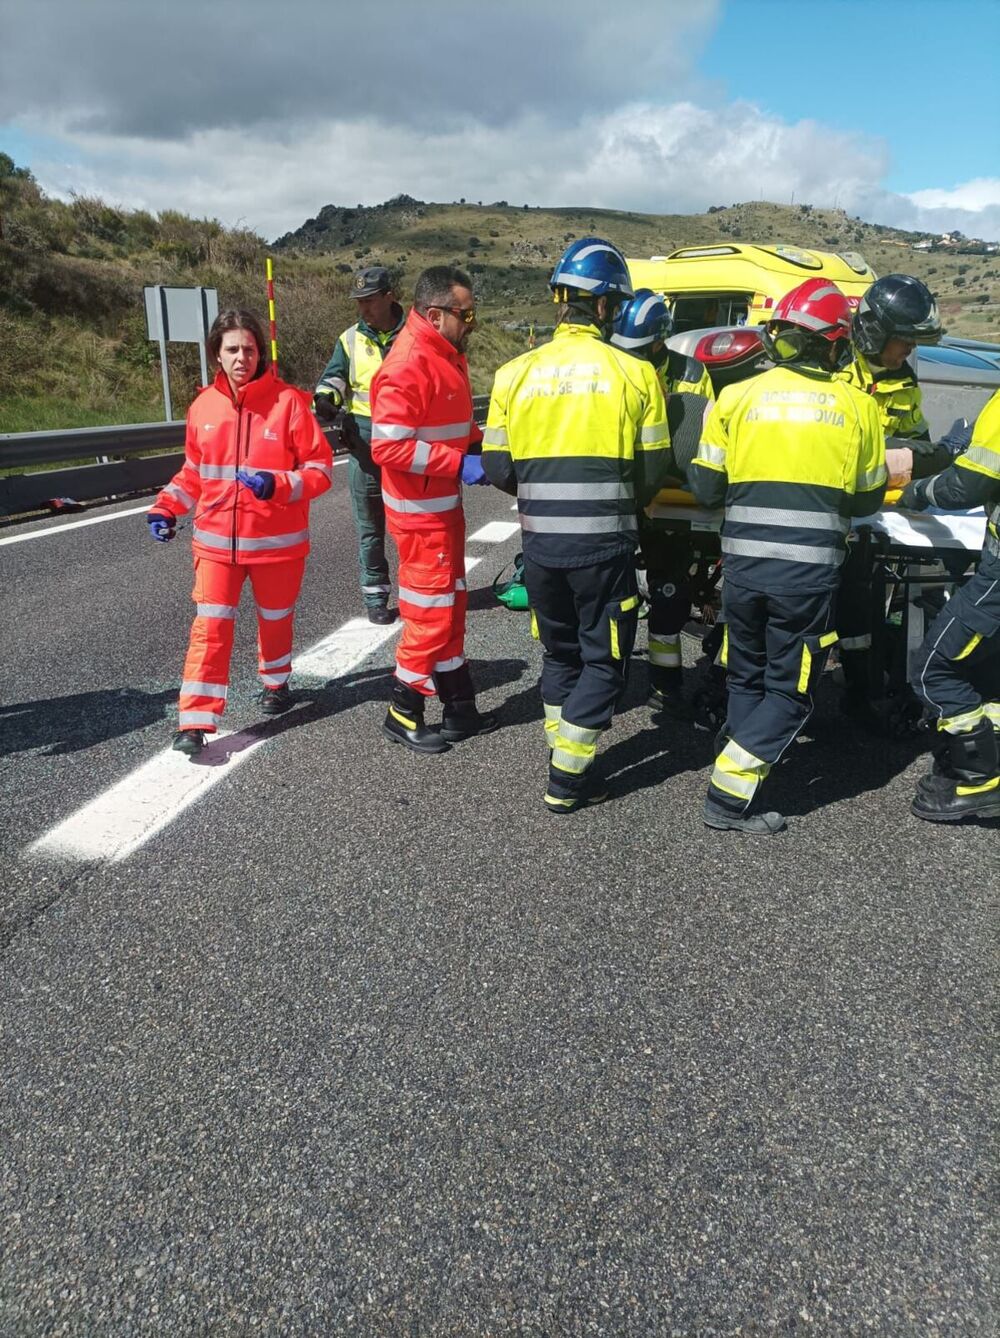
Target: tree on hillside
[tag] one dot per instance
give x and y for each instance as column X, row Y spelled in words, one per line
column 12, row 179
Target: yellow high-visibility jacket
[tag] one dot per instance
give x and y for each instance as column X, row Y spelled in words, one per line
column 793, row 454
column 896, row 394
column 357, row 356
column 577, row 430
column 974, row 480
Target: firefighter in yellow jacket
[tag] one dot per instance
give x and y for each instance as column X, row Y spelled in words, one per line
column 577, row 430
column 793, row 454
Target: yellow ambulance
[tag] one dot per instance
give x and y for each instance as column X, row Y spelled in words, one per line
column 739, row 283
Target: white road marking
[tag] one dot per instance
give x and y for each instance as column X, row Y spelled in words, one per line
column 72, row 525
column 496, row 532
column 125, row 817
column 343, row 650
column 95, row 520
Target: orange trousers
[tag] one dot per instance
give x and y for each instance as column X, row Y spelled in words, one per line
column 216, row 594
column 432, row 603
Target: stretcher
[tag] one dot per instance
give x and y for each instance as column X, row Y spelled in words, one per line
column 912, row 555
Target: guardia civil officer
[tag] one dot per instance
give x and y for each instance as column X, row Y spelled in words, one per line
column 577, row 430
column 343, row 396
column 641, row 328
column 956, row 671
column 793, row 454
column 895, row 315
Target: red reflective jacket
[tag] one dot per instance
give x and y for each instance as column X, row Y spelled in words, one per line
column 422, row 426
column 267, row 426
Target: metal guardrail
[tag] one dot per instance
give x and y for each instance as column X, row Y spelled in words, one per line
column 133, row 471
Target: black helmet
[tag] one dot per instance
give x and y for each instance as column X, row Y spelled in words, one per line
column 897, row 306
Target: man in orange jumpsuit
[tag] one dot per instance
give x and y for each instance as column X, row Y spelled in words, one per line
column 254, row 457
column 422, row 432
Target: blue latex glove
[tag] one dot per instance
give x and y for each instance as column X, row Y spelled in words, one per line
column 161, row 528
column 259, row 481
column 473, row 473
column 957, row 438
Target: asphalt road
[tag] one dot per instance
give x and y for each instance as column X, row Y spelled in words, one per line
column 366, row 1043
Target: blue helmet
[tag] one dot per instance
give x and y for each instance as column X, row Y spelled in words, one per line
column 593, row 267
column 641, row 322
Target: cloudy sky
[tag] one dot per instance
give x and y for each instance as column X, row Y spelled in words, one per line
column 262, row 113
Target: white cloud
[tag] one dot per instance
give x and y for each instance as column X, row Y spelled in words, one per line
column 664, row 159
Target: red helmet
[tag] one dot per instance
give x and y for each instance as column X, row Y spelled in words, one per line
column 816, row 308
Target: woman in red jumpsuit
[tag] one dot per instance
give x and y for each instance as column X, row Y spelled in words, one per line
column 254, row 459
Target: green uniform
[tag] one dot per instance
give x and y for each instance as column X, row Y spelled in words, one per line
column 347, row 379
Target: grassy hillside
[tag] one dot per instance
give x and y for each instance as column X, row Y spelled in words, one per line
column 74, row 349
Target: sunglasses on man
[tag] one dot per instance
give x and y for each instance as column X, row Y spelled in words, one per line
column 467, row 314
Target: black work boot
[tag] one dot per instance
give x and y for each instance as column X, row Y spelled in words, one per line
column 972, row 789
column 404, row 721
column 464, row 720
column 275, row 701
column 190, row 741
column 380, row 614
column 727, row 820
column 666, row 697
column 461, row 719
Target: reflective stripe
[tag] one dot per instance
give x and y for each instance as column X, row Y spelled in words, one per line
column 216, row 610
column 627, row 605
column 194, row 688
column 665, row 653
column 658, row 432
column 962, row 724
column 426, row 601
column 991, row 710
column 805, row 669
column 863, row 642
column 459, row 583
column 448, row 666
column 411, row 676
column 576, row 492
column 426, row 505
column 275, row 680
column 982, row 455
column 495, row 436
column 175, row 490
column 616, row 650
column 295, row 479
column 799, row 520
column 968, row 649
column 577, row 524
column 873, row 479
column 274, row 615
column 578, row 733
column 325, row 470
column 251, row 545
column 197, row 719
column 227, row 472
column 375, row 589
column 710, row 455
column 742, row 757
column 421, row 455
column 439, row 432
column 553, row 715
column 359, row 396
column 758, row 548
column 275, row 664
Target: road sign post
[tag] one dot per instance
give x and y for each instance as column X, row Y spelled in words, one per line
column 179, row 316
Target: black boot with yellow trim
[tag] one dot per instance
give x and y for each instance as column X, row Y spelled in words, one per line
column 461, row 717
column 972, row 789
column 404, row 721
